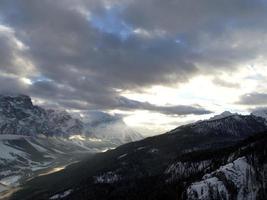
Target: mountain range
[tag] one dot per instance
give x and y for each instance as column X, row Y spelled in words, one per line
column 35, row 140
column 223, row 157
column 18, row 116
column 220, row 158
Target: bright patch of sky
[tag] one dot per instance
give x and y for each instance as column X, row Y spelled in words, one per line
column 40, row 79
column 200, row 90
column 111, row 22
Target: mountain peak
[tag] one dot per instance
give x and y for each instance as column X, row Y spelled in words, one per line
column 222, row 115
column 260, row 113
column 16, row 100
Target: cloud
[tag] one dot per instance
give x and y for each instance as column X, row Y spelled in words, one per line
column 84, row 51
column 224, row 83
column 255, row 98
column 168, row 110
column 258, row 110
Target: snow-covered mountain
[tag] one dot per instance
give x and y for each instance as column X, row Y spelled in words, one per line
column 101, row 125
column 34, row 140
column 181, row 164
column 228, row 124
column 19, row 116
column 222, row 115
column 235, row 180
column 239, row 173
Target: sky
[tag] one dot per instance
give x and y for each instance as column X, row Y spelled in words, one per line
column 157, row 64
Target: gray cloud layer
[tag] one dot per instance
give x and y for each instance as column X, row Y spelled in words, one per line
column 255, row 98
column 78, row 53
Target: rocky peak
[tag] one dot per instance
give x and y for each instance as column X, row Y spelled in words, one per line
column 222, row 115
column 16, row 101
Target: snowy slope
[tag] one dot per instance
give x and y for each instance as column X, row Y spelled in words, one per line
column 238, row 176
column 22, row 156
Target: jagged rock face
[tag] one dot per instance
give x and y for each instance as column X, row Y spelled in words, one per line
column 20, row 117
column 232, row 125
column 240, row 175
column 236, row 180
column 63, row 123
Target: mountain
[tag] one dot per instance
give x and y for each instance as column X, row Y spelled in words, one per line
column 261, row 113
column 222, row 115
column 19, row 116
column 104, row 126
column 34, row 140
column 238, row 172
column 227, row 124
column 180, row 164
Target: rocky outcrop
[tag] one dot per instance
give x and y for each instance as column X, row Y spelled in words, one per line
column 19, row 116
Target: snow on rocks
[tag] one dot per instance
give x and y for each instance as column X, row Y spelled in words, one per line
column 238, row 176
column 61, row 195
column 122, row 156
column 10, row 180
column 3, row 188
column 182, row 170
column 109, row 177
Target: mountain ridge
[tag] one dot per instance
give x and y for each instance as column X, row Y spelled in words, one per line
column 19, row 116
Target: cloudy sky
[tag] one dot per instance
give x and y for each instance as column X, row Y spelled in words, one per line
column 157, row 63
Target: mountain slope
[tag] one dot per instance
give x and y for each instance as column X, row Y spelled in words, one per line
column 22, row 157
column 237, row 173
column 142, row 169
column 227, row 125
column 34, row 140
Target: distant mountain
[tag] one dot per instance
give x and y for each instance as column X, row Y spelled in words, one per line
column 212, row 159
column 222, row 115
column 34, row 140
column 227, row 124
column 260, row 113
column 19, row 116
column 108, row 127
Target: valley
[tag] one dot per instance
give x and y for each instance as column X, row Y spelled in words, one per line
column 178, row 164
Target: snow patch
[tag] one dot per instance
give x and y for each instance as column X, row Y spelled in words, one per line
column 62, row 195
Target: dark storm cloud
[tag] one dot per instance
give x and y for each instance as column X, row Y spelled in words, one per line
column 169, row 110
column 86, row 50
column 12, row 85
column 255, row 98
column 190, row 15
